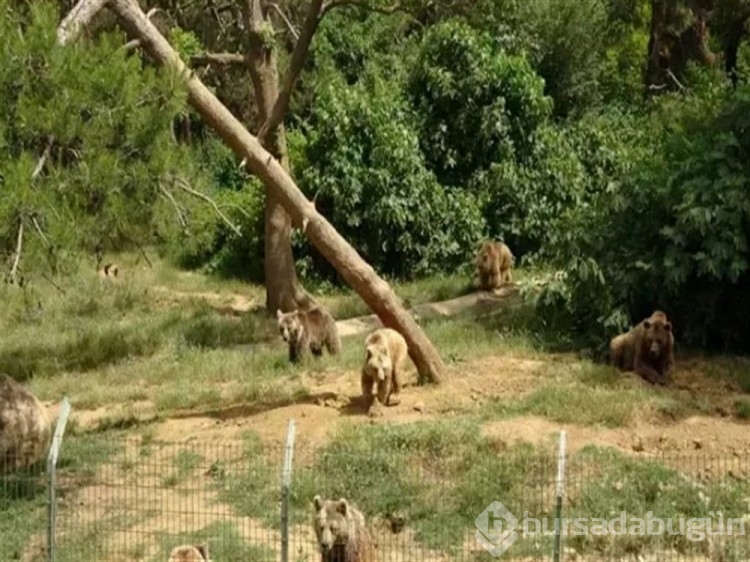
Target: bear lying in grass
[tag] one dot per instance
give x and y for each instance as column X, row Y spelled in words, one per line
column 647, row 349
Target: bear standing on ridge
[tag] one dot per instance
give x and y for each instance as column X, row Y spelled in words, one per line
column 341, row 532
column 307, row 331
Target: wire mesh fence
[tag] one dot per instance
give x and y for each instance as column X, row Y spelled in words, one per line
column 426, row 495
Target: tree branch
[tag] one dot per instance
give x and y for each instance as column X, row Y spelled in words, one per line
column 299, row 55
column 78, row 17
column 42, row 160
column 17, row 259
column 180, row 215
column 182, row 184
column 331, row 4
column 674, row 79
column 282, row 15
column 218, row 58
column 137, row 42
column 39, row 230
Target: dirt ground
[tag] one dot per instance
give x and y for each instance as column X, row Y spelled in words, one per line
column 335, row 402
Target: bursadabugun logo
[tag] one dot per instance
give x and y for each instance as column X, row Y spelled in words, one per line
column 496, row 528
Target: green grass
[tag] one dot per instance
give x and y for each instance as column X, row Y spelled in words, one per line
column 441, row 475
column 606, row 482
column 185, row 463
column 224, row 543
column 23, row 495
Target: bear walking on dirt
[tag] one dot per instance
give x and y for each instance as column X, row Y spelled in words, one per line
column 493, row 264
column 190, row 553
column 25, row 427
column 385, row 355
column 341, row 532
column 647, row 349
column 308, row 331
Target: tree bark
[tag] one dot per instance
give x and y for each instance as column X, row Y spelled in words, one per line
column 81, row 14
column 283, row 288
column 669, row 51
column 353, row 269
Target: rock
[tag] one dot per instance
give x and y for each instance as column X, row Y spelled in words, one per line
column 419, row 407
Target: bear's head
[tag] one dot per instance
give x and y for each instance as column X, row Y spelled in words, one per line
column 332, row 523
column 290, row 325
column 377, row 361
column 657, row 334
column 487, row 259
column 190, row 553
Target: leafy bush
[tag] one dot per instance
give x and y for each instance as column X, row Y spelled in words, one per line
column 673, row 235
column 105, row 119
column 207, row 241
column 522, row 200
column 359, row 157
column 477, row 104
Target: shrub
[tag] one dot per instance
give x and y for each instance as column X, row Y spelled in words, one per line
column 359, row 157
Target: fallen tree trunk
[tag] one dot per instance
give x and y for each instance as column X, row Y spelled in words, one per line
column 353, row 269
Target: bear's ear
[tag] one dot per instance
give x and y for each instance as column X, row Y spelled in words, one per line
column 668, row 326
column 646, row 324
column 203, row 549
column 342, row 506
column 318, row 503
column 279, row 314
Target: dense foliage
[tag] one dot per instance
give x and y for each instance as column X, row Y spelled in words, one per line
column 418, row 134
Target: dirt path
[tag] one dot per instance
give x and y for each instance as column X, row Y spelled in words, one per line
column 478, row 303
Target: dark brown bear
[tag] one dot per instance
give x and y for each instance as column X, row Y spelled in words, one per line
column 647, row 349
column 308, row 331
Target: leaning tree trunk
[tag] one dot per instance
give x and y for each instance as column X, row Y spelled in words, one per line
column 356, row 272
column 283, row 288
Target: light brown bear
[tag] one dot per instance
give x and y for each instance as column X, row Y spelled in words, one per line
column 385, row 355
column 25, row 427
column 307, row 331
column 342, row 532
column 190, row 553
column 647, row 349
column 493, row 265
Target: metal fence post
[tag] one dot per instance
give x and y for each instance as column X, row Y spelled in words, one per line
column 286, row 477
column 559, row 488
column 54, row 449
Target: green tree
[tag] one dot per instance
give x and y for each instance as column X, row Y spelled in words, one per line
column 477, row 104
column 94, row 127
column 363, row 165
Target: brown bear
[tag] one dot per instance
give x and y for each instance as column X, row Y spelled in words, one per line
column 25, row 427
column 647, row 349
column 308, row 330
column 493, row 264
column 189, row 553
column 341, row 531
column 385, row 355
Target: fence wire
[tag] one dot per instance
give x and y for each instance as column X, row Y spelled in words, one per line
column 424, row 498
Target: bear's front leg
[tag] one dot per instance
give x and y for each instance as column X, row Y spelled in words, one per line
column 384, row 390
